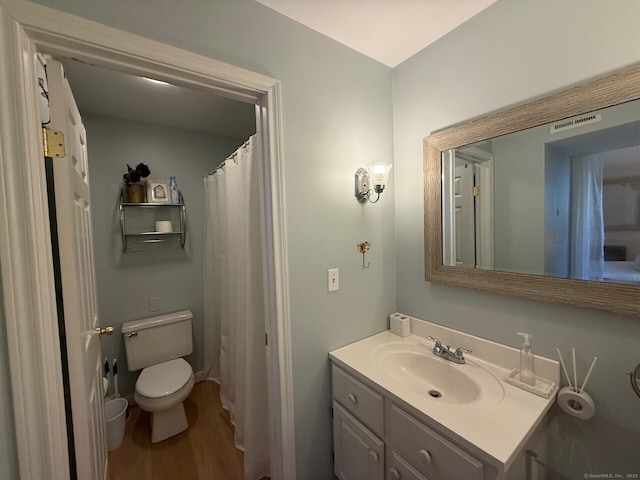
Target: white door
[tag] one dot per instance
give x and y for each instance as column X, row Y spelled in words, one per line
column 75, row 240
column 465, row 232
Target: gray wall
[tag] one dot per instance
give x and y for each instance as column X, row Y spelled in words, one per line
column 126, row 281
column 8, row 453
column 337, row 116
column 514, row 51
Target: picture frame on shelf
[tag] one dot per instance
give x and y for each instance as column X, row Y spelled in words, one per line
column 158, row 190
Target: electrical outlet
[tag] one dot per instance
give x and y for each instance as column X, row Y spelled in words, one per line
column 154, row 304
column 333, row 279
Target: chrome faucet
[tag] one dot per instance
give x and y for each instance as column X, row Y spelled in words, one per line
column 456, row 356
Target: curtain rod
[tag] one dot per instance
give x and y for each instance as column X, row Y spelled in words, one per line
column 230, row 157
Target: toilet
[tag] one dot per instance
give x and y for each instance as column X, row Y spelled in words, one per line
column 155, row 345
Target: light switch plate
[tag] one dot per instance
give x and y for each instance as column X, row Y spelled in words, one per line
column 333, row 279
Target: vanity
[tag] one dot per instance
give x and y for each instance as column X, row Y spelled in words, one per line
column 401, row 412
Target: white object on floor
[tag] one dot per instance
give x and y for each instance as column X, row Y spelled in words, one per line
column 115, row 413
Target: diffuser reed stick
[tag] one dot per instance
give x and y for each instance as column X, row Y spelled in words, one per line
column 564, row 368
column 575, row 374
column 584, row 384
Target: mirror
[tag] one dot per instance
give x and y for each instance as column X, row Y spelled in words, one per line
column 542, row 200
column 635, row 380
column 566, row 193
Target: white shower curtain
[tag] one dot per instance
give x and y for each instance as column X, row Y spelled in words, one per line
column 587, row 219
column 234, row 324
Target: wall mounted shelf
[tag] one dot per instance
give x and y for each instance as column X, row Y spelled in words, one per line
column 142, row 217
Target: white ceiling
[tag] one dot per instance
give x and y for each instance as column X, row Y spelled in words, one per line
column 99, row 91
column 389, row 31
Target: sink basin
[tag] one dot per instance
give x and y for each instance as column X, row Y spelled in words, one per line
column 416, row 368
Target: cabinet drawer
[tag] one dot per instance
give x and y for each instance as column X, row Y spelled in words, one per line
column 399, row 469
column 358, row 399
column 430, row 453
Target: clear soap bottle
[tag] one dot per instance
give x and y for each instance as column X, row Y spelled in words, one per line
column 173, row 188
column 527, row 361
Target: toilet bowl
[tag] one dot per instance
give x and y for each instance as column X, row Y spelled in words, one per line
column 160, row 390
column 156, row 345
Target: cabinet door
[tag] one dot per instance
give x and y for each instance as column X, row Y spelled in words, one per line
column 358, row 452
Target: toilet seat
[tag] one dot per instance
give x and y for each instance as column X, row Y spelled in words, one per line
column 163, row 379
column 175, row 378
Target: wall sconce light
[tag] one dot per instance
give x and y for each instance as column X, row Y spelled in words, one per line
column 377, row 175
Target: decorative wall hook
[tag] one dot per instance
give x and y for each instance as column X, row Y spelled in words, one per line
column 363, row 248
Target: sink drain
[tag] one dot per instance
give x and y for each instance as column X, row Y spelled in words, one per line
column 434, row 394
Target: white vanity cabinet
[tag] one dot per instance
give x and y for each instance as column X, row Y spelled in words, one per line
column 375, row 438
column 472, row 426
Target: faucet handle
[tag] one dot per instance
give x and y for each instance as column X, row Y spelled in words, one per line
column 460, row 351
column 437, row 347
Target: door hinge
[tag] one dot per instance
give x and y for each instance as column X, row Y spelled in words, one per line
column 476, row 191
column 266, row 339
column 53, row 143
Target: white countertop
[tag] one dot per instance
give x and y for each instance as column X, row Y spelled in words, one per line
column 498, row 431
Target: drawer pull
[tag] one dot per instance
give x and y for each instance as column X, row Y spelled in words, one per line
column 373, row 456
column 394, row 474
column 352, row 398
column 425, row 456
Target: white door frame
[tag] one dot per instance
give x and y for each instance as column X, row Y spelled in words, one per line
column 482, row 162
column 26, row 262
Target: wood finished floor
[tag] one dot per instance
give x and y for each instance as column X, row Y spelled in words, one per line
column 204, row 452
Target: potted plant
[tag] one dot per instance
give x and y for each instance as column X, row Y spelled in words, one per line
column 134, row 190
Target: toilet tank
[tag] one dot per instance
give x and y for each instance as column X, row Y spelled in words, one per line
column 153, row 340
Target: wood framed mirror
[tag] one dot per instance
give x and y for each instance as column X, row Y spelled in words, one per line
column 557, row 110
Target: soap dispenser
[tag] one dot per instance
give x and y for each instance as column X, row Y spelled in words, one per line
column 527, row 361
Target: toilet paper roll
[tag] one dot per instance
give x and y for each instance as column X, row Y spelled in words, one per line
column 164, row 226
column 576, row 403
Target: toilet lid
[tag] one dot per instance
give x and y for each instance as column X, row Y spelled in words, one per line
column 164, row 378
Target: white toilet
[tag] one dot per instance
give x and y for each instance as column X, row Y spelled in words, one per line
column 156, row 345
